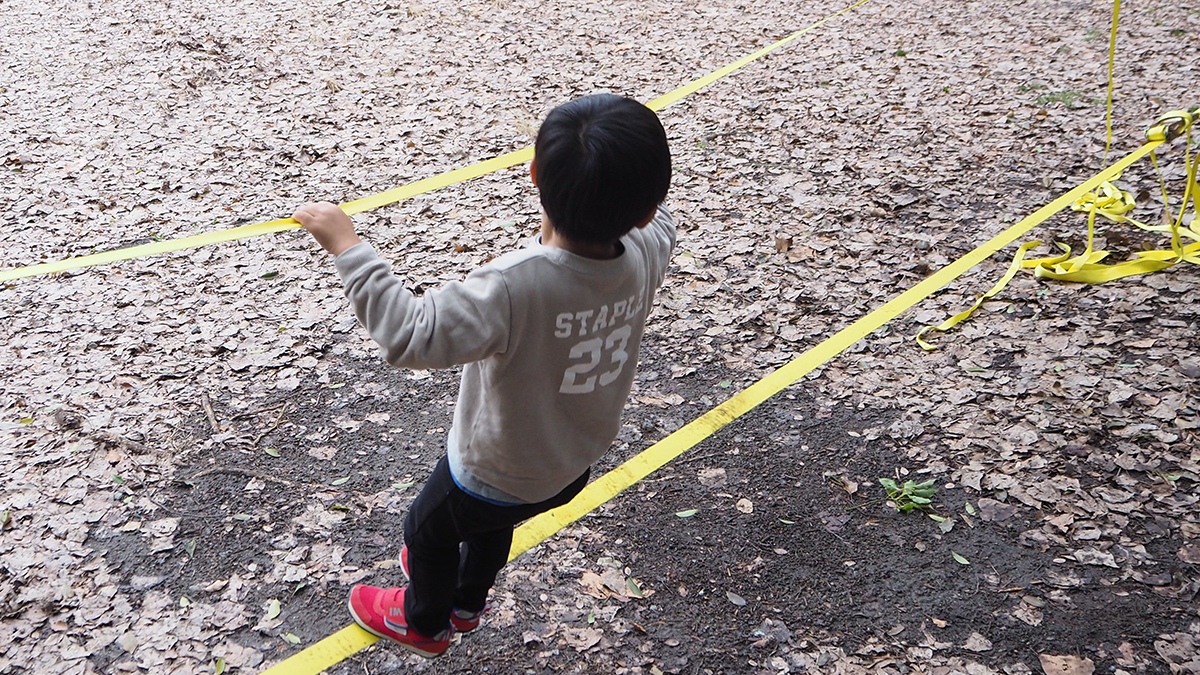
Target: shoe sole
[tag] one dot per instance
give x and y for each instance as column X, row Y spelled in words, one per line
column 412, row 648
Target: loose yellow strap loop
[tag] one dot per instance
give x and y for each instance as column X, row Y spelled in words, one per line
column 1113, row 204
column 953, row 321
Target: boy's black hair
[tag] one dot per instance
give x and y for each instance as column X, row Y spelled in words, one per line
column 602, row 165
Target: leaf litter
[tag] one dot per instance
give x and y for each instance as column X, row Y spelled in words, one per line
column 810, row 188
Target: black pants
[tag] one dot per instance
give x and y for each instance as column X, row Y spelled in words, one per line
column 456, row 546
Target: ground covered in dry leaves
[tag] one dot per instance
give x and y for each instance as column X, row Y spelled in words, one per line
column 201, row 451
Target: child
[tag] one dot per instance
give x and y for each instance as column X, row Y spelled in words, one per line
column 549, row 335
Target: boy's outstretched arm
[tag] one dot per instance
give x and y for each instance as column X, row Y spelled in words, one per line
column 329, row 225
column 454, row 324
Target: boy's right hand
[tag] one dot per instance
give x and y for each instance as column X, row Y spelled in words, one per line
column 329, row 225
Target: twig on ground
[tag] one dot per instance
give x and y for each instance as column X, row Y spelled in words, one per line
column 273, row 426
column 208, row 410
column 182, row 514
column 259, row 411
column 238, row 471
column 1018, row 589
column 865, row 504
column 684, row 460
column 113, row 439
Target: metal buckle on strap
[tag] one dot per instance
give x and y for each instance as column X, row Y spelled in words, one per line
column 1170, row 125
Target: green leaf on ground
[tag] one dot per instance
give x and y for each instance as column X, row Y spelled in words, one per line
column 634, row 588
column 220, row 667
column 959, row 559
column 910, row 495
column 273, row 609
column 189, row 547
column 341, row 481
column 687, row 514
column 272, row 452
column 292, row 638
column 403, row 486
column 970, row 509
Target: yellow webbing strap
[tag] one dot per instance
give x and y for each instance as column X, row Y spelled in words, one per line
column 246, row 231
column 395, row 194
column 1112, row 62
column 999, row 286
column 1113, row 204
column 351, row 639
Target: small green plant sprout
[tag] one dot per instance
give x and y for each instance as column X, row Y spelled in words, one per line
column 1067, row 98
column 909, row 495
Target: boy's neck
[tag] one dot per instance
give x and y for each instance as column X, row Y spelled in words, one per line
column 551, row 237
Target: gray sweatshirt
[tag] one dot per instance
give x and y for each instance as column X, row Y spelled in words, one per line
column 550, row 341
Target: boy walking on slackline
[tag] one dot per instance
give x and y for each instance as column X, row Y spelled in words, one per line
column 549, row 335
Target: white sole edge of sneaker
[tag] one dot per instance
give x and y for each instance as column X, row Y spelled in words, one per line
column 381, row 636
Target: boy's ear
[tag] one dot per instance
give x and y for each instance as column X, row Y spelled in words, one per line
column 533, row 173
column 647, row 220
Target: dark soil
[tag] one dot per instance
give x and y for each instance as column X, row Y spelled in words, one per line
column 813, row 564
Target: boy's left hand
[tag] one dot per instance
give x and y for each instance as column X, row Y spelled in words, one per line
column 329, row 225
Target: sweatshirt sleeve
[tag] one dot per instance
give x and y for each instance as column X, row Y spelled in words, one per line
column 460, row 322
column 660, row 241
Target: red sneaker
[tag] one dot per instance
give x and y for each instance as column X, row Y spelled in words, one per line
column 462, row 620
column 380, row 611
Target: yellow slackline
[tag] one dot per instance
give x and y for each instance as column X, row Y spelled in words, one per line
column 395, row 194
column 351, row 639
column 246, row 231
column 1112, row 203
column 1112, row 63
